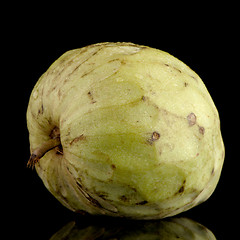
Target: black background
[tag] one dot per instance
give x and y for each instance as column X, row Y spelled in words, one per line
column 205, row 40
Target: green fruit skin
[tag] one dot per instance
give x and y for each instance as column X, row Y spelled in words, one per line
column 139, row 131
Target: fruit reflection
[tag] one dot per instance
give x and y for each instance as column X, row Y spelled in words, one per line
column 167, row 229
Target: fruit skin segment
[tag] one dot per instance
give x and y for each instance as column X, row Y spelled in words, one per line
column 139, row 133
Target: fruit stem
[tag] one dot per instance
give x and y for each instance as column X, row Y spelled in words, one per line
column 39, row 152
column 43, row 148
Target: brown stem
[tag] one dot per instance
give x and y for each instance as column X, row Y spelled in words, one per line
column 39, row 152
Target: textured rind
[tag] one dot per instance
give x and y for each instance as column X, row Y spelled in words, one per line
column 139, row 131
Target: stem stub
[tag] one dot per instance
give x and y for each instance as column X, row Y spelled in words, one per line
column 44, row 147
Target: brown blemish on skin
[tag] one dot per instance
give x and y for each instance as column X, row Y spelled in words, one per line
column 201, row 130
column 54, row 87
column 185, row 84
column 155, row 136
column 49, row 121
column 80, row 138
column 40, row 111
column 191, row 119
column 142, row 203
column 172, row 67
column 113, row 166
column 55, row 133
column 212, row 172
column 116, row 59
column 177, row 69
column 103, row 195
column 86, row 73
column 181, row 189
column 91, row 97
column 123, row 62
column 123, row 198
column 134, row 189
column 59, row 150
column 194, row 78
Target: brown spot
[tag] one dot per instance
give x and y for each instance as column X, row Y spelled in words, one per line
column 166, row 64
column 49, row 120
column 191, row 119
column 142, row 203
column 212, row 172
column 80, row 138
column 116, row 59
column 181, row 189
column 54, row 87
column 185, row 84
column 177, row 69
column 59, row 150
column 134, row 189
column 143, row 98
column 123, row 62
column 55, row 133
column 40, row 111
column 123, row 198
column 194, row 78
column 155, row 136
column 103, row 195
column 202, row 130
column 87, row 73
column 113, row 166
column 91, row 97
